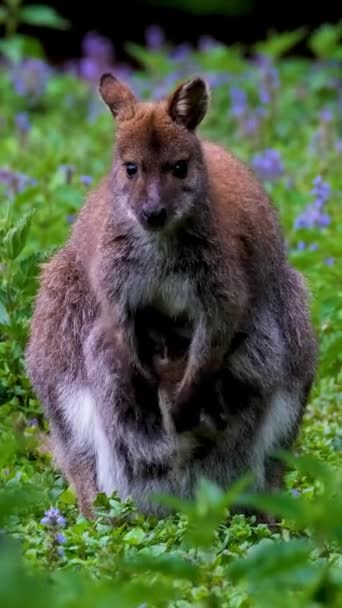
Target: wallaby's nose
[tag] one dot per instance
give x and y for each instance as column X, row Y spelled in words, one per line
column 154, row 217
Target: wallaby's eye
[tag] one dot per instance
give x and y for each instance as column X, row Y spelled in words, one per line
column 180, row 169
column 131, row 169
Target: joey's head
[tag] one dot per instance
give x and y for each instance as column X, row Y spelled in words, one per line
column 159, row 172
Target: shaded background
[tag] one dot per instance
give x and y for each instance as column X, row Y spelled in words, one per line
column 229, row 21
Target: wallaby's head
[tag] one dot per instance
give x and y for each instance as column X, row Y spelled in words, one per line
column 159, row 174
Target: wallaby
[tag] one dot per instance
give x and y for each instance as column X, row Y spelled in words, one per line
column 179, row 245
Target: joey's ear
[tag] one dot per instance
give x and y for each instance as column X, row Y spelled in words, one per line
column 118, row 97
column 189, row 103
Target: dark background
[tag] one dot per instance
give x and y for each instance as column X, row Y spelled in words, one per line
column 244, row 21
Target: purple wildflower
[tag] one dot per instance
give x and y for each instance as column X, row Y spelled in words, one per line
column 98, row 57
column 312, row 218
column 329, row 261
column 30, row 78
column 264, row 94
column 313, row 215
column 295, row 493
column 238, row 100
column 301, row 246
column 250, row 124
column 326, row 115
column 269, row 79
column 70, row 218
column 90, row 69
column 268, row 165
column 321, row 191
column 313, row 247
column 97, row 47
column 181, row 52
column 53, row 519
column 216, row 79
column 207, row 43
column 60, row 538
column 33, row 422
column 154, row 37
column 87, row 180
column 338, row 146
column 15, row 182
column 22, row 122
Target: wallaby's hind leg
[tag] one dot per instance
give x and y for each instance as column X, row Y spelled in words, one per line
column 79, row 468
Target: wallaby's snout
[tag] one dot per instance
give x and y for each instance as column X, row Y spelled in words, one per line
column 153, row 215
column 152, row 210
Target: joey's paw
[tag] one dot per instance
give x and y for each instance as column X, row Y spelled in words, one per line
column 213, row 421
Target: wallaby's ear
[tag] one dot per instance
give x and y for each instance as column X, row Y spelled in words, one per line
column 118, row 97
column 189, row 103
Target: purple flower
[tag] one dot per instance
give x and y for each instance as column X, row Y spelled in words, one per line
column 32, row 422
column 326, row 115
column 313, row 215
column 90, row 69
column 53, row 519
column 268, row 165
column 238, row 99
column 338, row 146
column 30, row 78
column 15, row 182
column 154, row 37
column 216, row 79
column 269, row 79
column 207, row 43
column 264, row 95
column 329, row 261
column 70, row 218
column 181, row 52
column 87, row 180
column 313, row 247
column 295, row 493
column 22, row 122
column 321, row 191
column 98, row 48
column 301, row 246
column 60, row 538
column 312, row 218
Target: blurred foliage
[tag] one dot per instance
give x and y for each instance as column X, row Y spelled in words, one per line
column 56, row 142
column 13, row 14
column 205, row 7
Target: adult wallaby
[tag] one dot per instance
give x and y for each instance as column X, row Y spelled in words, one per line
column 178, row 243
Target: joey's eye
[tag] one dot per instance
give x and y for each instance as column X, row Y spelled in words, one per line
column 180, row 169
column 131, row 169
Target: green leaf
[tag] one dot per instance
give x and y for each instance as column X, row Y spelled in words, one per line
column 271, row 560
column 135, row 536
column 68, row 497
column 325, row 41
column 42, row 15
column 3, row 14
column 279, row 44
column 16, row 237
column 18, row 47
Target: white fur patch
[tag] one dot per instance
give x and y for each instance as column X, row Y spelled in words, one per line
column 88, row 433
column 277, row 423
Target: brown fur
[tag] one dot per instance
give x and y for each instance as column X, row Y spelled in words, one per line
column 214, row 268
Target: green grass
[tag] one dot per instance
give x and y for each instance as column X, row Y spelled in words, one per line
column 200, row 556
